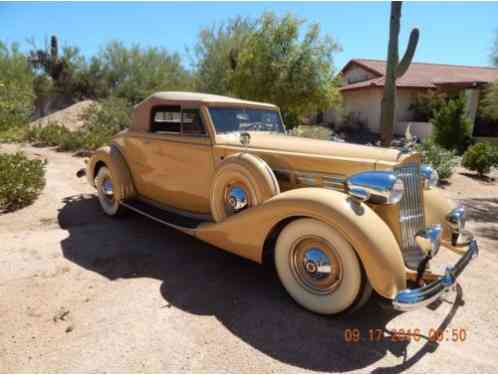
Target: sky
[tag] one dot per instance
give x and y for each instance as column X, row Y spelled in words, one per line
column 450, row 33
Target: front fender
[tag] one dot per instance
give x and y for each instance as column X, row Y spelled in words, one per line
column 114, row 160
column 375, row 244
column 436, row 207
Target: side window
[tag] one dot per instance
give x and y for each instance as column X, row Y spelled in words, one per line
column 166, row 119
column 192, row 122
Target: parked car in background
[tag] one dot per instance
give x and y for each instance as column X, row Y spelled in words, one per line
column 338, row 220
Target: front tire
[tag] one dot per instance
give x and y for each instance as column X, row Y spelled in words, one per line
column 318, row 267
column 105, row 184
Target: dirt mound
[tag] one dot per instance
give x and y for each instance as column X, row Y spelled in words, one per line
column 69, row 117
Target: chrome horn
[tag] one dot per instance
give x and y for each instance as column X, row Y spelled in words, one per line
column 378, row 187
column 429, row 239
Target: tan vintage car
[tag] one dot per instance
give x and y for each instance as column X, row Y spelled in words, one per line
column 338, row 220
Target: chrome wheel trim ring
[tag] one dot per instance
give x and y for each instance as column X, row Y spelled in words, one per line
column 316, row 265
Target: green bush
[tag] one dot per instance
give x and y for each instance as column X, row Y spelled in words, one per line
column 51, row 134
column 101, row 122
column 426, row 104
column 16, row 88
column 451, row 125
column 489, row 103
column 109, row 116
column 13, row 134
column 441, row 159
column 21, row 180
column 481, row 157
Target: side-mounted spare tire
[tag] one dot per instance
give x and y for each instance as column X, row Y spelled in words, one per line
column 241, row 181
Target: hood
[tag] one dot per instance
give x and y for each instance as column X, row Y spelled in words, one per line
column 298, row 145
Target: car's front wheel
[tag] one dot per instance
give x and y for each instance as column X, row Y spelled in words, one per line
column 318, row 267
column 105, row 191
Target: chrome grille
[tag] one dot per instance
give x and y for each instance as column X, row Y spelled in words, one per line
column 411, row 213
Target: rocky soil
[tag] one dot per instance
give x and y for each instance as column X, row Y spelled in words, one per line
column 69, row 117
column 81, row 292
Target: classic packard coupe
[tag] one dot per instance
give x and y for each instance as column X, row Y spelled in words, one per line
column 338, row 220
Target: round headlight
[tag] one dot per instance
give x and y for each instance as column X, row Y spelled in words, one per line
column 430, row 176
column 397, row 190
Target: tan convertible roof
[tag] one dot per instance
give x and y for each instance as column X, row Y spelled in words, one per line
column 184, row 96
column 141, row 114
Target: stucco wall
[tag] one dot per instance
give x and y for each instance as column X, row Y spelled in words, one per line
column 364, row 105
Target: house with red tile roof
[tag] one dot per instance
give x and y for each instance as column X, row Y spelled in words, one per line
column 363, row 85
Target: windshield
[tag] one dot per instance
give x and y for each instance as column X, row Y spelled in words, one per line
column 228, row 120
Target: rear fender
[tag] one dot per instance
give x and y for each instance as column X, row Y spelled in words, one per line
column 373, row 241
column 114, row 160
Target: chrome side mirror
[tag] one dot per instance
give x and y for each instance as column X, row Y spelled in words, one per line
column 429, row 239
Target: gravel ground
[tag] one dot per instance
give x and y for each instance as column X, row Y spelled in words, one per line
column 81, row 292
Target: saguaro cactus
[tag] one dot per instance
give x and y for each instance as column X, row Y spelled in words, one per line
column 49, row 61
column 394, row 70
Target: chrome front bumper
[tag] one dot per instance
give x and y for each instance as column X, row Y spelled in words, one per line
column 410, row 299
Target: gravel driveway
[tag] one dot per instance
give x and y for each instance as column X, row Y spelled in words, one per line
column 81, row 292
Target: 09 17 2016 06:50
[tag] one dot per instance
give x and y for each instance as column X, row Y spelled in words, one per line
column 353, row 335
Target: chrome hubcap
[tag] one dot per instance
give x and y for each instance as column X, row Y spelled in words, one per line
column 107, row 187
column 316, row 265
column 236, row 198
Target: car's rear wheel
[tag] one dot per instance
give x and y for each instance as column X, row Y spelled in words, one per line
column 105, row 191
column 318, row 267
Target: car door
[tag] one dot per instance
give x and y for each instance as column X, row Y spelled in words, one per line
column 178, row 159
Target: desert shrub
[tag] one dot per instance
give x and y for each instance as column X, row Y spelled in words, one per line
column 312, row 131
column 13, row 134
column 489, row 103
column 481, row 157
column 21, row 180
column 101, row 122
column 442, row 160
column 111, row 115
column 451, row 125
column 135, row 72
column 51, row 134
column 16, row 93
column 426, row 104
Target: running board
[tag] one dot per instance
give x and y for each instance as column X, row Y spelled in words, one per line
column 162, row 216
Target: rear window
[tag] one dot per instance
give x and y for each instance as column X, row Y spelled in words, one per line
column 174, row 120
column 166, row 120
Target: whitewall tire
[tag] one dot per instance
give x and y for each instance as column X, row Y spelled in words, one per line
column 105, row 184
column 318, row 267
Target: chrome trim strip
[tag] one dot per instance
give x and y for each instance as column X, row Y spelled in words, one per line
column 328, row 181
column 411, row 299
